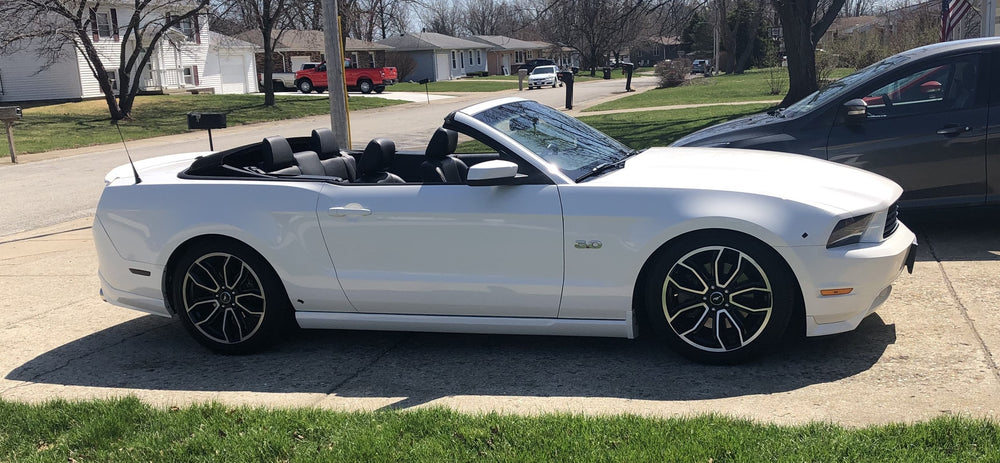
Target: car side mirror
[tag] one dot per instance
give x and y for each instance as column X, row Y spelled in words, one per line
column 855, row 111
column 490, row 173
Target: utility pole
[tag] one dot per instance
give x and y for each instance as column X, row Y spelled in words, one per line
column 335, row 75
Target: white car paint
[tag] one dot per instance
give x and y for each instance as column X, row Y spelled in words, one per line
column 504, row 258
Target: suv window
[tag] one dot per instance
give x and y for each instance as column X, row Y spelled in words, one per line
column 938, row 87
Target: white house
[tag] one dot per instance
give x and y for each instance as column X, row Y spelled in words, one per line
column 506, row 53
column 438, row 56
column 188, row 57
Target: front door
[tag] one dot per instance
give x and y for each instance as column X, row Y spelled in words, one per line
column 926, row 130
column 446, row 249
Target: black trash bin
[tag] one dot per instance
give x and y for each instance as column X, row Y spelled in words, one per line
column 567, row 78
column 607, row 73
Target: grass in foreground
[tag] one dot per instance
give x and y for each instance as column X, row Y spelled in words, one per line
column 71, row 125
column 127, row 430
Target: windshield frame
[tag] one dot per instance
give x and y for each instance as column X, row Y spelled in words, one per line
column 563, row 145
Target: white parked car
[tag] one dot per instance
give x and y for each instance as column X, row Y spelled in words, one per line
column 542, row 76
column 558, row 230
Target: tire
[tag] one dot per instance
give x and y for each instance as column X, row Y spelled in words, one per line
column 305, row 86
column 719, row 297
column 277, row 85
column 228, row 297
column 379, row 88
column 365, row 86
column 553, row 85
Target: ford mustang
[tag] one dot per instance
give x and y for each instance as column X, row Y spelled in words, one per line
column 550, row 228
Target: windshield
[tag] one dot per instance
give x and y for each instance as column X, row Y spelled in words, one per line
column 544, row 70
column 566, row 143
column 833, row 90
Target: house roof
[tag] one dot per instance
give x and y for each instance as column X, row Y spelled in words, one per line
column 224, row 41
column 429, row 41
column 302, row 40
column 502, row 42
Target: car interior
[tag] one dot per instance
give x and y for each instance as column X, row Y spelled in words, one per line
column 318, row 158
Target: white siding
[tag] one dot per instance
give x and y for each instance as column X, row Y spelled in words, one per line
column 22, row 81
column 230, row 71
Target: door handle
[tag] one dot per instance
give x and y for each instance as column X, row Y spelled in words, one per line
column 349, row 211
column 953, row 129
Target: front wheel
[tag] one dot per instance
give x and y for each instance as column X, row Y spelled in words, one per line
column 365, row 86
column 719, row 297
column 228, row 298
column 305, row 86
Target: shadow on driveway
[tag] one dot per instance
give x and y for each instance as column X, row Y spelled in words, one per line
column 155, row 353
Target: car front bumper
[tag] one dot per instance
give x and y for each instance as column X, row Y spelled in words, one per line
column 541, row 82
column 867, row 268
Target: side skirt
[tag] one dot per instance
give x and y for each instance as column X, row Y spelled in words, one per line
column 476, row 325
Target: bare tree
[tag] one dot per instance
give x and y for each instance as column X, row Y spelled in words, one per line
column 271, row 19
column 739, row 30
column 596, row 28
column 494, row 17
column 803, row 23
column 441, row 16
column 55, row 28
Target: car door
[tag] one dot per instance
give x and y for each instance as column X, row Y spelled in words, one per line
column 446, row 249
column 926, row 130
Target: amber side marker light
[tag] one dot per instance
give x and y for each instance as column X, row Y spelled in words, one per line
column 836, row 292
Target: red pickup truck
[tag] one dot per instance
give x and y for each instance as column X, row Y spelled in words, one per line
column 358, row 79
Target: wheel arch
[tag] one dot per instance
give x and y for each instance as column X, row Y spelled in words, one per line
column 169, row 267
column 639, row 287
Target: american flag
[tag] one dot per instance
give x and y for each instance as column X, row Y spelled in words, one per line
column 951, row 14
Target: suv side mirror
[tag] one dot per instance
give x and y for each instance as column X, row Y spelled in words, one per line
column 855, row 111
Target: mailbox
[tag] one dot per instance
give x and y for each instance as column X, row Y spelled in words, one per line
column 206, row 120
column 10, row 113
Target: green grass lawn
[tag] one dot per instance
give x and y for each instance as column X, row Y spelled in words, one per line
column 70, row 125
column 651, row 128
column 753, row 85
column 127, row 430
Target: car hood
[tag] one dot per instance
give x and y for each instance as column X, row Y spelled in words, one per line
column 834, row 187
column 737, row 129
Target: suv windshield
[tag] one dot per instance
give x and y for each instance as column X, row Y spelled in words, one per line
column 566, row 143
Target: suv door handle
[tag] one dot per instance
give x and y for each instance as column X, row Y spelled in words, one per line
column 349, row 211
column 953, row 129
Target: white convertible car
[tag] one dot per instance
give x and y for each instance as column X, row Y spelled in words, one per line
column 555, row 229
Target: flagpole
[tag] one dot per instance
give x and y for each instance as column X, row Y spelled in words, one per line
column 944, row 20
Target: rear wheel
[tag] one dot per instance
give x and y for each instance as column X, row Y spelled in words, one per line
column 365, row 86
column 719, row 297
column 305, row 86
column 379, row 88
column 228, row 298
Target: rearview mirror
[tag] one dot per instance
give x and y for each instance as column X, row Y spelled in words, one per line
column 489, row 173
column 855, row 111
column 520, row 123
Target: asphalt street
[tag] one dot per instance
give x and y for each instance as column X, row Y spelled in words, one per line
column 931, row 350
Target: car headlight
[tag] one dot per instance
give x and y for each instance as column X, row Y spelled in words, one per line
column 849, row 231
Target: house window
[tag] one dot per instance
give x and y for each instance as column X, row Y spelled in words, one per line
column 187, row 28
column 470, row 58
column 518, row 56
column 529, row 54
column 479, row 57
column 113, row 77
column 454, row 65
column 103, row 25
column 188, row 76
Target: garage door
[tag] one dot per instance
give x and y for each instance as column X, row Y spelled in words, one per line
column 233, row 74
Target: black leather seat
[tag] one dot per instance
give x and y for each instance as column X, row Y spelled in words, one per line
column 375, row 161
column 279, row 159
column 334, row 162
column 439, row 166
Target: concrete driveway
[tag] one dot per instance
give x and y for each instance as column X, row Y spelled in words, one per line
column 930, row 351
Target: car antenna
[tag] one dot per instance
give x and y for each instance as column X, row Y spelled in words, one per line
column 135, row 172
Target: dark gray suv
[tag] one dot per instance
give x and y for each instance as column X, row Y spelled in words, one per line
column 928, row 118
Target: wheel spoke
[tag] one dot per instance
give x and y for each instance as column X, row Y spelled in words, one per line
column 673, row 277
column 727, row 330
column 723, row 268
column 207, row 273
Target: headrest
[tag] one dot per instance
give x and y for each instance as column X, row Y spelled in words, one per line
column 377, row 156
column 277, row 154
column 324, row 143
column 443, row 143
